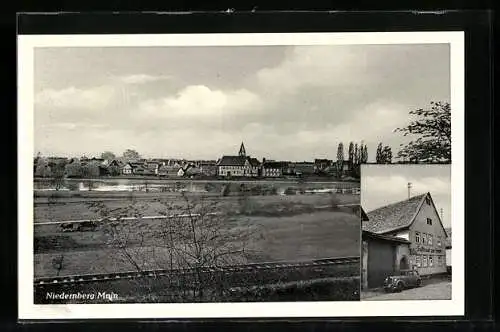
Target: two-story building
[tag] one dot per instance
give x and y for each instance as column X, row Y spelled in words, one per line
column 416, row 220
column 273, row 169
column 238, row 166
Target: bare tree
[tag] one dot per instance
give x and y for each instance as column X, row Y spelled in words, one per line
column 196, row 234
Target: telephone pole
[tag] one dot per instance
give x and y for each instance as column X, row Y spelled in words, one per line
column 409, row 188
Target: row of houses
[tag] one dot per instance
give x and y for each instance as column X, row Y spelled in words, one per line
column 242, row 165
column 230, row 166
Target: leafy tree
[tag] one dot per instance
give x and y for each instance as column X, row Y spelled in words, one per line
column 74, row 169
column 108, row 155
column 364, row 158
column 433, row 135
column 42, row 168
column 379, row 156
column 131, row 155
column 58, row 175
column 340, row 158
column 90, row 171
column 356, row 154
column 114, row 170
column 387, row 155
column 351, row 155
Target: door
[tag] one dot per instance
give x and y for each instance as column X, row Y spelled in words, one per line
column 380, row 263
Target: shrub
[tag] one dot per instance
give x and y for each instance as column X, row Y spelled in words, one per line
column 326, row 289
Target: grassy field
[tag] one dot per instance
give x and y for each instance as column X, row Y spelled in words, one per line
column 284, row 228
column 62, row 209
column 300, row 237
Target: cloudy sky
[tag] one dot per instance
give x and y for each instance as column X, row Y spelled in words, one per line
column 382, row 185
column 288, row 103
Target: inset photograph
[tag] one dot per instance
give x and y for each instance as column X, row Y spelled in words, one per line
column 406, row 232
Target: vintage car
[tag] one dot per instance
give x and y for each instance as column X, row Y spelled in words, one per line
column 405, row 279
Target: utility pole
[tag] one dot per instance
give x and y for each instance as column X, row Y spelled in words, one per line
column 409, row 188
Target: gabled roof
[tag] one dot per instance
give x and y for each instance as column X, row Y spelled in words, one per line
column 275, row 164
column 232, row 161
column 397, row 216
column 254, row 162
column 393, row 216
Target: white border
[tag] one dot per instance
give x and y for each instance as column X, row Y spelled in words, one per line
column 27, row 310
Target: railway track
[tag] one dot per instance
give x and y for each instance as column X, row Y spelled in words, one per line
column 247, row 268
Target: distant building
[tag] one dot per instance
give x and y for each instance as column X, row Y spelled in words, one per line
column 168, row 171
column 322, row 165
column 417, row 221
column 208, row 168
column 274, row 169
column 238, row 166
column 127, row 169
column 302, row 168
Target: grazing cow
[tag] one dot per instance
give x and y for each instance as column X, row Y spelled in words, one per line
column 87, row 225
column 67, row 227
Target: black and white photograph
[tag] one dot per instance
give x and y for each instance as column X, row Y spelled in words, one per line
column 406, row 232
column 229, row 170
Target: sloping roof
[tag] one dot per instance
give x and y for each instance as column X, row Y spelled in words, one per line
column 232, row 161
column 275, row 164
column 393, row 216
column 254, row 162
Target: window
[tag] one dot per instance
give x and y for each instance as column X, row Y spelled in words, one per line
column 430, row 261
column 417, row 237
column 439, row 241
column 418, row 261
column 429, row 221
column 424, row 263
column 424, row 238
column 430, row 239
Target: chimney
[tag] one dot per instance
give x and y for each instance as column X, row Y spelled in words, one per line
column 409, row 188
column 263, row 160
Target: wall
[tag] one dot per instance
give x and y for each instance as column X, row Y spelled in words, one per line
column 437, row 252
column 364, row 265
column 448, row 257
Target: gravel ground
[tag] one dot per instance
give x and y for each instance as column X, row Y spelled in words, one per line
column 439, row 290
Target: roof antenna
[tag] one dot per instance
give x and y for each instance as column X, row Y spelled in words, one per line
column 409, row 188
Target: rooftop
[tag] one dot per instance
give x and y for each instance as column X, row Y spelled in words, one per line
column 393, row 216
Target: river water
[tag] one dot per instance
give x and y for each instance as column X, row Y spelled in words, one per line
column 184, row 185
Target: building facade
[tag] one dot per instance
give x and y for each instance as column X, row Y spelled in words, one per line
column 382, row 256
column 417, row 221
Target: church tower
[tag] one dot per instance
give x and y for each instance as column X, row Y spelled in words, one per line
column 242, row 152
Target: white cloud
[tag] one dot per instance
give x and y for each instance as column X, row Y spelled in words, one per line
column 94, row 98
column 142, row 78
column 200, row 101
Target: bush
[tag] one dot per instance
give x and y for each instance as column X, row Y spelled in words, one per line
column 326, row 289
column 226, row 190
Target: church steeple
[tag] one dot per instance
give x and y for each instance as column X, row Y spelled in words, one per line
column 242, row 152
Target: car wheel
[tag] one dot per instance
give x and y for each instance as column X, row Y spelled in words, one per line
column 419, row 283
column 399, row 287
